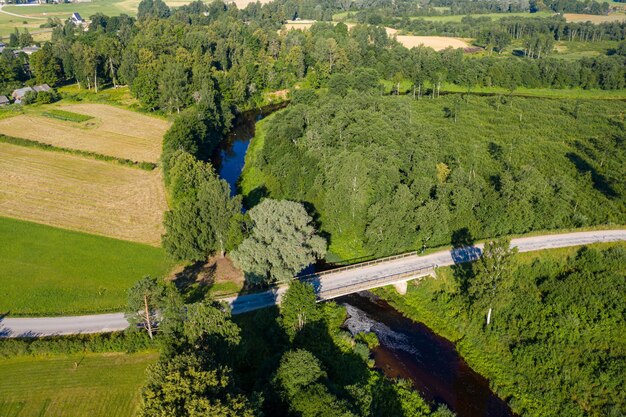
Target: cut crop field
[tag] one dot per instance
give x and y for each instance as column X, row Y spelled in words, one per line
column 82, row 194
column 438, row 43
column 50, row 271
column 594, row 18
column 109, row 131
column 102, row 385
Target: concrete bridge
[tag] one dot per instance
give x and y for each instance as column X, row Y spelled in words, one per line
column 394, row 270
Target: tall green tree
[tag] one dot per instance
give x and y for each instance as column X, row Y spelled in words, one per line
column 45, row 66
column 282, row 243
column 492, row 268
column 143, row 301
column 202, row 219
column 298, row 307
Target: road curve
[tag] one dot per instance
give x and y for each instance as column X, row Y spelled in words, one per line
column 328, row 283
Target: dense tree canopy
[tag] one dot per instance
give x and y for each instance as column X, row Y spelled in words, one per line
column 282, row 242
column 391, row 174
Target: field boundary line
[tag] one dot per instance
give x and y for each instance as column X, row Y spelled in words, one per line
column 28, row 143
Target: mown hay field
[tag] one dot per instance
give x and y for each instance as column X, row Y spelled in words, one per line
column 81, row 194
column 438, row 43
column 112, row 131
column 49, row 271
column 593, row 18
column 102, row 385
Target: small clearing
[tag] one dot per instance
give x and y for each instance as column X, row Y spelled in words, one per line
column 81, row 194
column 112, row 131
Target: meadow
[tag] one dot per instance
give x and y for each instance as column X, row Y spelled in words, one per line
column 91, row 385
column 51, row 271
column 81, row 194
column 105, row 130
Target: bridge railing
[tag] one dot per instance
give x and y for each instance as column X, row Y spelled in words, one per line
column 373, row 282
column 358, row 265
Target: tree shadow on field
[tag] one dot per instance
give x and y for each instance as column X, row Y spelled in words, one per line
column 599, row 181
column 195, row 281
column 463, row 254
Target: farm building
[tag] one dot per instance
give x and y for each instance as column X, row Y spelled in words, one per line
column 4, row 100
column 76, row 19
column 42, row 87
column 20, row 93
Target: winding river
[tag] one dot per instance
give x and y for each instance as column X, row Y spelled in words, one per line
column 407, row 350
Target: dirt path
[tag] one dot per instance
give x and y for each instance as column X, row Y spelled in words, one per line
column 21, row 16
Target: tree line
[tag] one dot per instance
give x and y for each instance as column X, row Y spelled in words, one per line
column 295, row 360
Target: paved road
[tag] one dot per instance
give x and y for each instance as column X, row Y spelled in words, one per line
column 328, row 285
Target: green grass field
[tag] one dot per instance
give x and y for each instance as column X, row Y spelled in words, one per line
column 102, row 385
column 50, row 271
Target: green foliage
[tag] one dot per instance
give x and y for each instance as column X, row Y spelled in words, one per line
column 45, row 66
column 298, row 307
column 392, row 174
column 147, row 166
column 152, row 9
column 65, row 345
column 204, row 216
column 144, row 299
column 552, row 312
column 62, row 273
column 491, row 269
column 281, row 244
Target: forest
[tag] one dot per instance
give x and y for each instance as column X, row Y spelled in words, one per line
column 556, row 321
column 391, row 174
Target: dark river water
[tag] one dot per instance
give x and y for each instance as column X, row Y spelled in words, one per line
column 407, row 350
column 412, row 351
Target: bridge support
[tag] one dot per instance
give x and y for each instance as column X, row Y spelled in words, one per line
column 401, row 287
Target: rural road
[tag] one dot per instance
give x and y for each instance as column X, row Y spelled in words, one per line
column 328, row 284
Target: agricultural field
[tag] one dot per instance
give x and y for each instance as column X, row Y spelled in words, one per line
column 81, row 194
column 438, row 43
column 35, row 15
column 92, row 385
column 593, row 18
column 108, row 131
column 50, row 271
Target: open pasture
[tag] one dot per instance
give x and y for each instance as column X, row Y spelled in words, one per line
column 101, row 385
column 81, row 194
column 111, row 131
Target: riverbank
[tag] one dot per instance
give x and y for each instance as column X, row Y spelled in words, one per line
column 548, row 347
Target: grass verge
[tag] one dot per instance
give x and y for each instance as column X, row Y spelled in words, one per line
column 48, row 271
